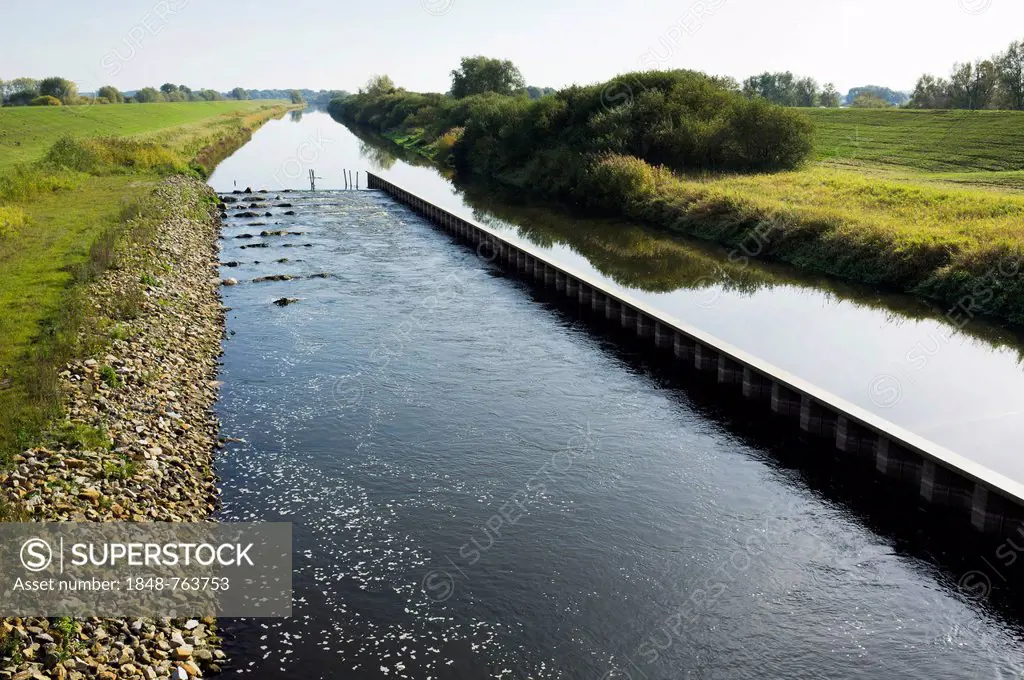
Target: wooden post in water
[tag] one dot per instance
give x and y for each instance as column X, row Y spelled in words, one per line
column 344, row 173
column 312, row 181
column 357, row 180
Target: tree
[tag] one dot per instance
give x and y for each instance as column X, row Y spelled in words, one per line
column 378, row 85
column 829, row 96
column 777, row 88
column 148, row 95
column 296, row 97
column 806, row 91
column 168, row 88
column 892, row 96
column 972, row 86
column 111, row 94
column 1010, row 75
column 59, row 88
column 930, row 93
column 866, row 100
column 24, row 85
column 479, row 74
column 726, row 83
column 537, row 92
column 239, row 93
column 984, row 84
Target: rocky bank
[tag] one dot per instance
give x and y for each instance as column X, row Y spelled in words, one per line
column 138, row 441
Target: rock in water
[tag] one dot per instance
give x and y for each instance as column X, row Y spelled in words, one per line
column 284, row 302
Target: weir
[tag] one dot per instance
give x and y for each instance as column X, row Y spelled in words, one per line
column 991, row 503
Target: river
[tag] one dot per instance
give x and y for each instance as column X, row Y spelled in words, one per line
column 482, row 487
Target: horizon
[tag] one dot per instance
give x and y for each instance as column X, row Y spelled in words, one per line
column 426, row 38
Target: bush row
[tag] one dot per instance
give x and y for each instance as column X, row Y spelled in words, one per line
column 561, row 144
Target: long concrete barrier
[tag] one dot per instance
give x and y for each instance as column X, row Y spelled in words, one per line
column 991, row 502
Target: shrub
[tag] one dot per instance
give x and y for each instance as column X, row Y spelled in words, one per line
column 12, row 219
column 683, row 120
column 446, row 143
column 766, row 137
column 45, row 100
column 23, row 181
column 104, row 155
column 613, row 181
column 110, row 378
column 81, row 436
column 122, row 469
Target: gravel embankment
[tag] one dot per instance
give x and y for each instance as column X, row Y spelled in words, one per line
column 151, row 390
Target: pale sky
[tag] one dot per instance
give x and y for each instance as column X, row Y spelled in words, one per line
column 221, row 44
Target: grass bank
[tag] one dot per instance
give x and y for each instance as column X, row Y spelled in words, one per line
column 923, row 202
column 28, row 132
column 63, row 219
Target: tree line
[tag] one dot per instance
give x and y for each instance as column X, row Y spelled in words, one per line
column 993, row 83
column 682, row 120
column 57, row 91
column 785, row 89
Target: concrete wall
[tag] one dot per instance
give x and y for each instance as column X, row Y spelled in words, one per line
column 992, row 503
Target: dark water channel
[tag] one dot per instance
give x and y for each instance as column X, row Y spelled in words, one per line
column 481, row 486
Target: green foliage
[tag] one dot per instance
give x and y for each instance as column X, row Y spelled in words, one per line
column 869, row 101
column 479, row 75
column 110, row 378
column 103, row 155
column 122, row 469
column 45, row 100
column 73, row 435
column 148, row 95
column 886, row 94
column 682, row 119
column 994, row 83
column 783, row 89
column 25, row 181
column 378, row 85
column 10, row 643
column 12, row 220
column 111, row 94
column 829, row 97
column 67, row 630
column 296, row 97
column 613, row 181
column 61, row 89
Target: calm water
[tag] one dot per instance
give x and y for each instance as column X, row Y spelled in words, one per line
column 481, row 487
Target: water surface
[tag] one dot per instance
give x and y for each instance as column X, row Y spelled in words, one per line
column 482, row 487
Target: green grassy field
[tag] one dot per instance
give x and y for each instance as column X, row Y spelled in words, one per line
column 984, row 148
column 75, row 203
column 27, row 132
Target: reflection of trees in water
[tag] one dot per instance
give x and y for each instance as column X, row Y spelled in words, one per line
column 379, row 157
column 296, row 116
column 627, row 253
column 643, row 258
